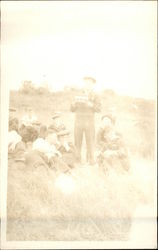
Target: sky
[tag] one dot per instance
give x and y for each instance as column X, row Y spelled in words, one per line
column 60, row 42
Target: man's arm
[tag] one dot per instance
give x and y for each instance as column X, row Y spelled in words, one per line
column 95, row 104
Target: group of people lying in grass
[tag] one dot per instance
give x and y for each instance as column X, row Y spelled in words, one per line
column 38, row 145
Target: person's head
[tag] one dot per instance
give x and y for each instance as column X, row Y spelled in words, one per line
column 29, row 134
column 89, row 83
column 13, row 124
column 63, row 136
column 56, row 118
column 107, row 121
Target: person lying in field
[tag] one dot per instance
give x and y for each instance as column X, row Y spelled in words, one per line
column 57, row 124
column 29, row 134
column 16, row 147
column 55, row 139
column 112, row 152
column 44, row 153
column 20, row 140
column 13, row 137
column 67, row 149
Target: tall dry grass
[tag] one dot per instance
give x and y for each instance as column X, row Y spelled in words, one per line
column 86, row 205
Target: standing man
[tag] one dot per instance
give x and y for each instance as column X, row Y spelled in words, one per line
column 85, row 106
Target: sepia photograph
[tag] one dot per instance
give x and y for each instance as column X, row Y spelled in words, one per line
column 78, row 124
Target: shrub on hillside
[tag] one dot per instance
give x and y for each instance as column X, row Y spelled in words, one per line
column 27, row 87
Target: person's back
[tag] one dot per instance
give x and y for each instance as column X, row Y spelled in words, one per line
column 40, row 153
column 28, row 133
column 44, row 152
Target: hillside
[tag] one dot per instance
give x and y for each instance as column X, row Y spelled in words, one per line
column 85, row 205
column 135, row 116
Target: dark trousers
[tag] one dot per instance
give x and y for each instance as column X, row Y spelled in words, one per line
column 85, row 127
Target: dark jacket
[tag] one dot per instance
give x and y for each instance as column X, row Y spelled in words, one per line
column 82, row 109
column 35, row 158
column 114, row 142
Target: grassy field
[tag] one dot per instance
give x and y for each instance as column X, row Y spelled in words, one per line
column 135, row 117
column 85, row 205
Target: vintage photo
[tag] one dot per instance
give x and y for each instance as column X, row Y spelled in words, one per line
column 78, row 124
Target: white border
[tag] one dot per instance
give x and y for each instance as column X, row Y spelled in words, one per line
column 142, row 243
